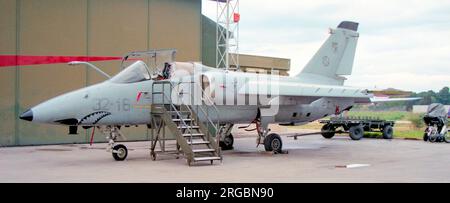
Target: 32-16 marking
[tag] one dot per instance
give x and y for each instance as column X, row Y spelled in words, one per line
column 104, row 104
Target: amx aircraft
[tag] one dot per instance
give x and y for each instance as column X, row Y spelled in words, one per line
column 197, row 104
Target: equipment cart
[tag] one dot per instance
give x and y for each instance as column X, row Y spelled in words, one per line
column 436, row 120
column 356, row 126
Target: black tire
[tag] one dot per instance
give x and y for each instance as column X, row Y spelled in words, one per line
column 328, row 135
column 388, row 132
column 120, row 152
column 447, row 138
column 153, row 155
column 440, row 138
column 356, row 132
column 433, row 138
column 273, row 143
column 227, row 143
column 425, row 137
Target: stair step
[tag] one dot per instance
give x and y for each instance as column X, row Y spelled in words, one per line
column 179, row 120
column 207, row 158
column 203, row 150
column 194, row 135
column 181, row 112
column 188, row 127
column 198, row 142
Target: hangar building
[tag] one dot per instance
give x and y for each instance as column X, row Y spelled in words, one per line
column 36, row 37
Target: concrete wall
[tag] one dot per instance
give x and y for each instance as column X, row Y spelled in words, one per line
column 81, row 28
column 8, row 75
column 248, row 63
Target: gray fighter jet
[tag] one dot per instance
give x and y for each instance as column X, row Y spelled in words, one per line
column 130, row 97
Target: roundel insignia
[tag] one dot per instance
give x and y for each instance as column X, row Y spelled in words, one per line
column 335, row 47
column 326, row 61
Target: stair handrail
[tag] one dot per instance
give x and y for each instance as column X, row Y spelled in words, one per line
column 172, row 106
column 200, row 107
column 216, row 125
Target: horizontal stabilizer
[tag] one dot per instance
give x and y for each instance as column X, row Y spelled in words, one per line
column 384, row 99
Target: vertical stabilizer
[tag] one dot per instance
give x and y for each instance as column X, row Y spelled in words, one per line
column 335, row 58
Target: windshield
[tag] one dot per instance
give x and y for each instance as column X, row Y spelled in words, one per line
column 136, row 72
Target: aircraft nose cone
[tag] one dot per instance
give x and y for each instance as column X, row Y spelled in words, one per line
column 27, row 115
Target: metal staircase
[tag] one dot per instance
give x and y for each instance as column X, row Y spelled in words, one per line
column 194, row 139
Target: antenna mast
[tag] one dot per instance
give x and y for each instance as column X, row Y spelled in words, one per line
column 227, row 34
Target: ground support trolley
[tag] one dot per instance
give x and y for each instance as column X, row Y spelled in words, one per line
column 356, row 127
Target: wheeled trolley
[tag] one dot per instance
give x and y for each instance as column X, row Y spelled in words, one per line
column 356, row 127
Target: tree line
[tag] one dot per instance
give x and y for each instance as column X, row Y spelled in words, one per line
column 429, row 97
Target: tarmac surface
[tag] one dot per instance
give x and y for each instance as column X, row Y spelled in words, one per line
column 310, row 159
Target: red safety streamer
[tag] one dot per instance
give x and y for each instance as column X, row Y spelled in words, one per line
column 92, row 136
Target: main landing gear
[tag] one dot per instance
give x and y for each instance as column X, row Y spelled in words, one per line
column 227, row 143
column 272, row 142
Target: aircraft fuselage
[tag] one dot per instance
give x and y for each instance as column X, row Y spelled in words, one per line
column 109, row 103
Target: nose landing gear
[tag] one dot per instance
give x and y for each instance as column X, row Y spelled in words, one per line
column 118, row 151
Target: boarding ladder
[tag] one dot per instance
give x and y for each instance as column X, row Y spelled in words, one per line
column 194, row 139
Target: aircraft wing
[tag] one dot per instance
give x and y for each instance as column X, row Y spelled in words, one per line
column 295, row 89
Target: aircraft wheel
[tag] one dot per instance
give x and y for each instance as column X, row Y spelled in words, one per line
column 356, row 132
column 227, row 143
column 273, row 143
column 328, row 135
column 388, row 132
column 120, row 152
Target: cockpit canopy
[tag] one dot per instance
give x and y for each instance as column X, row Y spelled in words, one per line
column 136, row 72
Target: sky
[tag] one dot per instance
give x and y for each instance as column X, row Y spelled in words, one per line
column 403, row 44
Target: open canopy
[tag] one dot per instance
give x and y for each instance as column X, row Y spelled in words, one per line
column 136, row 72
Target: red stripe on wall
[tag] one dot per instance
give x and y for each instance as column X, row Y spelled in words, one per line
column 21, row 60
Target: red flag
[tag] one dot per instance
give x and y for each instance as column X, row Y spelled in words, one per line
column 236, row 17
column 26, row 60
